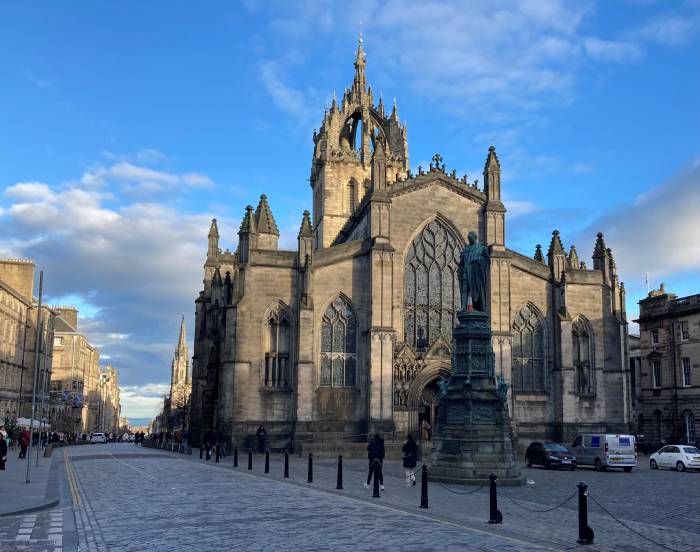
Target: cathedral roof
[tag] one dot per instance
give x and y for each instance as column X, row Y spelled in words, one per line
column 264, row 220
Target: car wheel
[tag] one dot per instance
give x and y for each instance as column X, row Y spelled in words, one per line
column 572, row 468
column 653, row 465
column 529, row 463
column 680, row 466
column 547, row 465
column 627, row 469
column 598, row 465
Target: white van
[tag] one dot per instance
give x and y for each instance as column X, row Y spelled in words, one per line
column 605, row 451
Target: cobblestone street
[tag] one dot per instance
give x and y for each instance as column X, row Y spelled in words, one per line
column 132, row 498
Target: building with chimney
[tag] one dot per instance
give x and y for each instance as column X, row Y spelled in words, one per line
column 350, row 332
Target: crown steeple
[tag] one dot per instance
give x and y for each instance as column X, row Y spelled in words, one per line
column 359, row 85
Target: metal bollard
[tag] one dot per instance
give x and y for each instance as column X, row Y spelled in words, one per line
column 286, row 465
column 200, row 451
column 250, row 459
column 235, row 457
column 217, row 453
column 339, row 480
column 267, row 461
column 310, row 475
column 585, row 533
column 375, row 485
column 424, row 487
column 495, row 515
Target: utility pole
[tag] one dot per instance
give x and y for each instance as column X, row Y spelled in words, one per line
column 36, row 370
column 45, row 384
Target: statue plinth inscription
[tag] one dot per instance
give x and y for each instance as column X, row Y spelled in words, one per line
column 473, row 437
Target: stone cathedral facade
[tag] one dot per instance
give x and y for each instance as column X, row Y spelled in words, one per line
column 349, row 333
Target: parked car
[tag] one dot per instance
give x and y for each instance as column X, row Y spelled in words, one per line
column 605, row 451
column 679, row 457
column 550, row 455
column 98, row 438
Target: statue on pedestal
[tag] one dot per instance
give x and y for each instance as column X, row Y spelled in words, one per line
column 473, row 273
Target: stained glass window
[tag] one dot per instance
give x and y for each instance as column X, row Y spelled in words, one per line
column 338, row 345
column 431, row 289
column 582, row 343
column 528, row 352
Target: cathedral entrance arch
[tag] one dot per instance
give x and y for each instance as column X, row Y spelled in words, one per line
column 424, row 397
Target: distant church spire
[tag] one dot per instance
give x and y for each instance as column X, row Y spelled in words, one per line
column 180, row 365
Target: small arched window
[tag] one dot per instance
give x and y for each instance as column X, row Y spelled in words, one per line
column 277, row 346
column 366, row 185
column 583, row 356
column 528, row 351
column 338, row 345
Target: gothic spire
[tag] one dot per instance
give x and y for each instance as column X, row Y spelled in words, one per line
column 360, row 83
column 573, row 258
column 182, row 341
column 264, row 220
column 214, row 229
column 492, row 160
column 599, row 251
column 248, row 225
column 555, row 246
column 538, row 254
column 306, row 230
column 213, row 240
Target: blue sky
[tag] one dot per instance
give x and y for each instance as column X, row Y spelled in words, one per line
column 125, row 127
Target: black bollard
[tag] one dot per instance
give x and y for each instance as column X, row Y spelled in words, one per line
column 200, row 451
column 424, row 487
column 250, row 459
column 375, row 486
column 339, row 480
column 235, row 457
column 286, row 465
column 267, row 461
column 585, row 533
column 495, row 515
column 310, row 475
column 217, row 453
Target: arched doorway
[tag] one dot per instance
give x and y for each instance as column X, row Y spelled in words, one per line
column 429, row 402
column 424, row 397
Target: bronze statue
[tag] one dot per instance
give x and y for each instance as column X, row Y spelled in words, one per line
column 473, row 272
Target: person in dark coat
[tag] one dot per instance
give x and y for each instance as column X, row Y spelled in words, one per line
column 410, row 458
column 23, row 443
column 3, row 449
column 375, row 454
column 262, row 437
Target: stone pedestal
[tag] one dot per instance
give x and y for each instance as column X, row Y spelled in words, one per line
column 473, row 436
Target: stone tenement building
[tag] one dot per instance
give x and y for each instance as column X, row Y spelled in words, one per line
column 18, row 324
column 667, row 375
column 350, row 332
column 76, row 376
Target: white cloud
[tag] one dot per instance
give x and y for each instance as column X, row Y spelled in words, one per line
column 670, row 30
column 142, row 401
column 664, row 224
column 611, row 50
column 135, row 178
column 29, row 191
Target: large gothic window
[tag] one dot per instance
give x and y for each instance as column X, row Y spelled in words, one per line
column 338, row 345
column 277, row 341
column 582, row 341
column 431, row 289
column 528, row 351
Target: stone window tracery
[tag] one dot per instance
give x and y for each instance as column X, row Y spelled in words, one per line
column 352, row 191
column 583, row 356
column 528, row 351
column 431, row 289
column 338, row 345
column 277, row 346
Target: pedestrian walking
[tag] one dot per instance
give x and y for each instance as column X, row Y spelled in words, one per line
column 410, row 458
column 375, row 454
column 262, row 437
column 23, row 443
column 3, row 449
